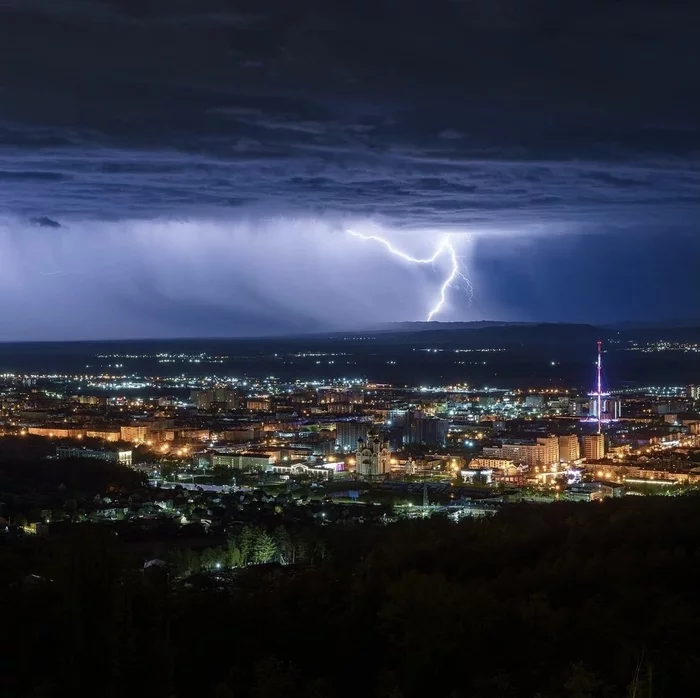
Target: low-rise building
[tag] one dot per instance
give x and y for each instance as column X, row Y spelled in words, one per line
column 121, row 457
column 491, row 464
column 134, row 433
column 593, row 491
column 318, row 472
column 242, row 461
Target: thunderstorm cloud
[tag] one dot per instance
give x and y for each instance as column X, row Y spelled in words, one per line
column 183, row 169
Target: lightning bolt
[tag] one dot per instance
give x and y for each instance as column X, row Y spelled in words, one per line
column 444, row 246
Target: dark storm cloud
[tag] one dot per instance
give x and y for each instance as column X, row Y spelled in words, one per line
column 476, row 115
column 349, row 97
column 20, row 176
column 45, row 222
column 429, row 190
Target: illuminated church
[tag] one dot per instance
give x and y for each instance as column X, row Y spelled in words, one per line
column 372, row 457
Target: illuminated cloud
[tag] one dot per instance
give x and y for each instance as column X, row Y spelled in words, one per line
column 184, row 278
column 205, row 188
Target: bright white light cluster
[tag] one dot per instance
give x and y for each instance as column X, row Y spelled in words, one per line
column 444, row 246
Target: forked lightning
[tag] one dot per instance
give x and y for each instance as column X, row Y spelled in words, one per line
column 444, row 246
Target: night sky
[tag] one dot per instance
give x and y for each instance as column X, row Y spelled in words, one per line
column 174, row 168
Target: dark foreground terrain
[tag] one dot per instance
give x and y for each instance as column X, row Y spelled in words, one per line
column 565, row 599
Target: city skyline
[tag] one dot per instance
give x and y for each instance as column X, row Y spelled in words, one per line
column 368, row 321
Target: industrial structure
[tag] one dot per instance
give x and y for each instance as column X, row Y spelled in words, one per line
column 601, row 407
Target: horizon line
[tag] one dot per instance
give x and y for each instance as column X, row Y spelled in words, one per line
column 386, row 327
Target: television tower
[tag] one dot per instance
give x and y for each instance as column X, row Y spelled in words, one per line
column 599, row 394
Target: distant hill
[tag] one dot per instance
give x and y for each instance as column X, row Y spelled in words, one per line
column 529, row 334
column 488, row 324
column 658, row 325
column 489, row 334
column 429, row 326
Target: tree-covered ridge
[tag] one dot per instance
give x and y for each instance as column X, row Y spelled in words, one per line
column 557, row 600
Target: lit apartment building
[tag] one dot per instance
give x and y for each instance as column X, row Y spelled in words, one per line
column 544, row 452
column 134, row 434
column 593, row 446
column 569, row 448
column 490, row 464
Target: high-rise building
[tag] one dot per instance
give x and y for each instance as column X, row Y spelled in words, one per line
column 224, row 398
column 201, row 399
column 258, row 404
column 550, row 445
column 569, row 449
column 415, row 427
column 543, row 453
column 693, row 392
column 397, row 418
column 428, row 430
column 593, row 446
column 611, row 408
column 372, row 457
column 347, row 434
